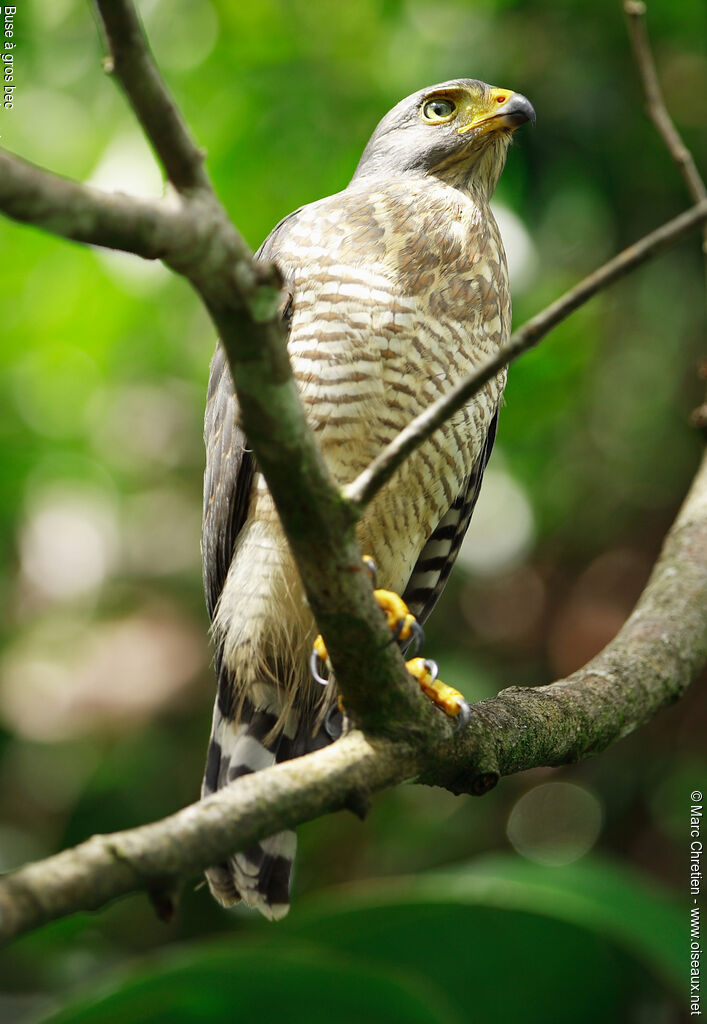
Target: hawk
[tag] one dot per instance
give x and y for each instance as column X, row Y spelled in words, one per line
column 398, row 288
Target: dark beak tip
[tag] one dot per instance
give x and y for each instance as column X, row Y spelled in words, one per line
column 522, row 106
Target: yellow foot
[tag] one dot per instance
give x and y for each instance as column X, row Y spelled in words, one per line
column 401, row 623
column 446, row 697
column 404, row 627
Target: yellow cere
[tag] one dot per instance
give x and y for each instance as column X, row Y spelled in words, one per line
column 483, row 112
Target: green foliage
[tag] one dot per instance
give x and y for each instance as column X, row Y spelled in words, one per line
column 497, row 942
column 105, row 681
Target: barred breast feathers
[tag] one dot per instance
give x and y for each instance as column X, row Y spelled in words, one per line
column 372, row 343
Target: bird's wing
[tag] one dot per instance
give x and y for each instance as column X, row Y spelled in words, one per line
column 227, row 479
column 432, row 569
column 230, row 465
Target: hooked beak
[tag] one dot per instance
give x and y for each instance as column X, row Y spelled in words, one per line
column 514, row 112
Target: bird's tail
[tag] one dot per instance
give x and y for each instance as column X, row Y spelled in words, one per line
column 260, row 875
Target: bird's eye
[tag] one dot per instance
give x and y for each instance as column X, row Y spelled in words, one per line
column 434, row 111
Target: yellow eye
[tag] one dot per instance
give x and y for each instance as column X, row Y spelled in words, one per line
column 434, row 111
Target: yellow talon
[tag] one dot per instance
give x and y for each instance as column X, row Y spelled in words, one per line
column 399, row 619
column 398, row 616
column 446, row 697
column 404, row 626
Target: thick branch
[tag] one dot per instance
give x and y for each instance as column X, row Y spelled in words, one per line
column 370, row 481
column 155, row 856
column 648, row 665
column 656, row 655
column 195, row 237
column 132, row 63
column 148, row 228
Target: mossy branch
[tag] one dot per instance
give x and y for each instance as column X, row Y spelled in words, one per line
column 649, row 664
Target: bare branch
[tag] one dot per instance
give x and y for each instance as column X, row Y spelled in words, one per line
column 646, row 667
column 132, row 63
column 635, row 11
column 656, row 109
column 370, row 481
column 81, row 213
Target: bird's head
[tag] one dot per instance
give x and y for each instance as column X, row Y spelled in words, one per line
column 458, row 131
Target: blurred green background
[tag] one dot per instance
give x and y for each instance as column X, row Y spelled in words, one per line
column 561, row 896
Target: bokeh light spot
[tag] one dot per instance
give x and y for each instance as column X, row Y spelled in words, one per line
column 555, row 823
column 182, row 32
column 502, row 530
column 521, row 253
column 68, row 543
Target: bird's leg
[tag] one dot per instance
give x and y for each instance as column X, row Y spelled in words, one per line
column 404, row 628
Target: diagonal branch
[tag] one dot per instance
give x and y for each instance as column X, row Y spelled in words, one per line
column 81, row 213
column 635, row 11
column 647, row 666
column 370, row 481
column 133, row 65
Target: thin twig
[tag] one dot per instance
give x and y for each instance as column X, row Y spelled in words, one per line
column 370, row 481
column 131, row 61
column 646, row 667
column 656, row 109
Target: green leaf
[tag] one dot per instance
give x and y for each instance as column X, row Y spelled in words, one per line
column 528, row 941
column 501, row 940
column 271, row 982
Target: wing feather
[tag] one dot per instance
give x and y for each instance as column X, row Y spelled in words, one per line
column 432, row 569
column 230, row 465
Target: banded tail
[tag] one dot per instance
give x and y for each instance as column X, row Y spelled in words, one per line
column 261, row 875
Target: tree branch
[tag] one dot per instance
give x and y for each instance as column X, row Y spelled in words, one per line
column 635, row 11
column 370, row 481
column 132, row 62
column 81, row 213
column 649, row 663
column 646, row 667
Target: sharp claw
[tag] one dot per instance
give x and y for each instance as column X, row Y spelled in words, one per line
column 418, row 637
column 372, row 569
column 334, row 727
column 426, row 672
column 433, row 669
column 314, row 663
column 464, row 716
column 394, row 633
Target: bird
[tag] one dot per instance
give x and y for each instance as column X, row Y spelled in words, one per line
column 395, row 288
